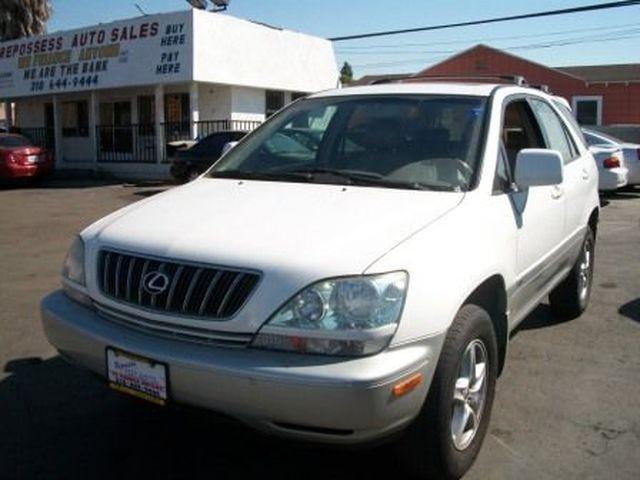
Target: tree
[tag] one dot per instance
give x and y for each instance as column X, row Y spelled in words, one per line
column 23, row 18
column 346, row 73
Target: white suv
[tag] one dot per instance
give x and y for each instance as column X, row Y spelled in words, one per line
column 349, row 271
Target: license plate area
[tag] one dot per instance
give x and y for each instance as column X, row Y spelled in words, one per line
column 137, row 376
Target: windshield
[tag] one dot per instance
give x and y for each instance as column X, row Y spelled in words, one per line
column 417, row 142
column 600, row 138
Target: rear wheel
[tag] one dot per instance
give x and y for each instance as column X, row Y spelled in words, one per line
column 446, row 437
column 571, row 297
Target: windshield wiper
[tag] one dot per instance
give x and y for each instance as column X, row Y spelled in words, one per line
column 321, row 175
column 274, row 176
column 356, row 177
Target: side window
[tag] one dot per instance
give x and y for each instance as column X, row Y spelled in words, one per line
column 502, row 181
column 519, row 130
column 571, row 120
column 555, row 133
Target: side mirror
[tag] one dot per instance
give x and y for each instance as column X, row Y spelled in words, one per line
column 538, row 166
column 228, row 146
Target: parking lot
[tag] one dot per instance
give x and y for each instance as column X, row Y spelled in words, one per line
column 567, row 405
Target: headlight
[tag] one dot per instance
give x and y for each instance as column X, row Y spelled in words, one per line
column 350, row 316
column 73, row 266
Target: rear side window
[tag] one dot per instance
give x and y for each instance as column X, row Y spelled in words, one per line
column 12, row 141
column 212, row 145
column 555, row 133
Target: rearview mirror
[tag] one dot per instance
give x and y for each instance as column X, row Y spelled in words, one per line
column 228, row 146
column 538, row 166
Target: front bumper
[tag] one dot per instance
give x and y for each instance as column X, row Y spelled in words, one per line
column 335, row 400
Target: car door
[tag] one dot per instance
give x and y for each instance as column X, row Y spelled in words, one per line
column 540, row 212
column 576, row 172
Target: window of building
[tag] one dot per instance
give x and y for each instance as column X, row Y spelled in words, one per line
column 176, row 107
column 146, row 109
column 274, row 102
column 176, row 116
column 75, row 119
column 297, row 95
column 588, row 110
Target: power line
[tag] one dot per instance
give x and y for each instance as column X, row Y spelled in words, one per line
column 558, row 42
column 547, row 13
column 355, row 48
column 534, row 46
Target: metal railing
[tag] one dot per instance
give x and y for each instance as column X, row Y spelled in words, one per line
column 175, row 131
column 43, row 137
column 126, row 144
column 137, row 143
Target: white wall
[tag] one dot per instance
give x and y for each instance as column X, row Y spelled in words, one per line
column 29, row 113
column 214, row 101
column 239, row 52
column 248, row 104
column 77, row 149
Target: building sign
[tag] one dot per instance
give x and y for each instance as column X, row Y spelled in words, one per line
column 142, row 51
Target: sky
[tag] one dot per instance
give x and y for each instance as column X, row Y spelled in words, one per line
column 602, row 37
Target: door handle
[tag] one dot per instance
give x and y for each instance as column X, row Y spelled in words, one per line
column 585, row 174
column 557, row 192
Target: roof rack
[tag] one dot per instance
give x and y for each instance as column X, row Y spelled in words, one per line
column 542, row 87
column 515, row 79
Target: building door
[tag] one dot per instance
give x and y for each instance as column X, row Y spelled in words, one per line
column 177, row 116
column 49, row 129
column 116, row 131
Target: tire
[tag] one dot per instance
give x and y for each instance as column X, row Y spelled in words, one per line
column 570, row 298
column 429, row 447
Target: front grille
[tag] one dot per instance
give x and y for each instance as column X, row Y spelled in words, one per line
column 191, row 290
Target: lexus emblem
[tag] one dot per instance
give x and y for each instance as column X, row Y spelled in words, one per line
column 155, row 283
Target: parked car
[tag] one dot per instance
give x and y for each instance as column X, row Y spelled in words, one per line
column 630, row 152
column 612, row 174
column 361, row 291
column 189, row 163
column 21, row 159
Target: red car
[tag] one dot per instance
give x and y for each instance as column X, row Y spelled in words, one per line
column 21, row 159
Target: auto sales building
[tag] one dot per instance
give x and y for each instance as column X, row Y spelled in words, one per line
column 110, row 97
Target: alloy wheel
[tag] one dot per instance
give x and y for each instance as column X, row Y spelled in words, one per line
column 469, row 394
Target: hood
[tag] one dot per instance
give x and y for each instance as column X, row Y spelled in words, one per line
column 321, row 230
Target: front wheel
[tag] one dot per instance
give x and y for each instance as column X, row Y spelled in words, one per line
column 446, row 437
column 571, row 297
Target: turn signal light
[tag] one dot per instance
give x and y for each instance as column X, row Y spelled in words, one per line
column 611, row 162
column 406, row 386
